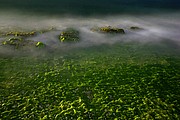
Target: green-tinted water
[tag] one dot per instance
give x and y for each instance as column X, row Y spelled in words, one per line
column 119, row 81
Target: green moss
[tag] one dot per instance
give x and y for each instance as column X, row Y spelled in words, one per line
column 46, row 30
column 40, row 44
column 109, row 29
column 13, row 42
column 24, row 34
column 135, row 28
column 114, row 83
column 17, row 42
column 69, row 35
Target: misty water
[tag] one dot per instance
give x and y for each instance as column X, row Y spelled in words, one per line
column 156, row 28
column 103, row 76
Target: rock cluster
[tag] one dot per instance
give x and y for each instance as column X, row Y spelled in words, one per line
column 18, row 39
column 19, row 43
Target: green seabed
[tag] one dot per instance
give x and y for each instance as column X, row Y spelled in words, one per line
column 120, row 81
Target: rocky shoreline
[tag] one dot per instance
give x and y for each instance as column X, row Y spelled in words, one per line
column 20, row 38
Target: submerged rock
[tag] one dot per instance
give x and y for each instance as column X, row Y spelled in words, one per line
column 108, row 29
column 69, row 35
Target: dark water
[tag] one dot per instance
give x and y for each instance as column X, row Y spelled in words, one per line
column 84, row 7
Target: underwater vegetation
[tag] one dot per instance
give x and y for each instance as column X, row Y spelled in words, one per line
column 86, row 84
column 124, row 80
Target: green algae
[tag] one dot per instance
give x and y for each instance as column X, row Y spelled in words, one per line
column 69, row 35
column 88, row 85
column 108, row 29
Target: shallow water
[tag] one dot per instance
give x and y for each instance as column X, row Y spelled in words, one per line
column 103, row 76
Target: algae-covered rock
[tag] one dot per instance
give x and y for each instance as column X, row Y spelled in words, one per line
column 135, row 28
column 13, row 42
column 40, row 44
column 69, row 35
column 24, row 34
column 109, row 29
column 19, row 32
column 46, row 30
column 19, row 43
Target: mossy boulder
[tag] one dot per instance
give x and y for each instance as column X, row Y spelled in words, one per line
column 69, row 35
column 108, row 29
